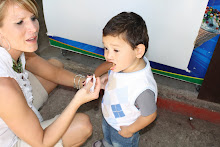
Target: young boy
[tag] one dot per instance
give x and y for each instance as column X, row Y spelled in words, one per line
column 129, row 101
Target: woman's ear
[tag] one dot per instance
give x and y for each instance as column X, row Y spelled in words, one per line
column 140, row 50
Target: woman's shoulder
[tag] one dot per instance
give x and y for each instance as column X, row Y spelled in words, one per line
column 8, row 86
column 11, row 96
column 7, row 81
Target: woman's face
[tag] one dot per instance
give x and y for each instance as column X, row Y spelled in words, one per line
column 20, row 28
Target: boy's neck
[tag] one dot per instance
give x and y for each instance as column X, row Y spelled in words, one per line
column 138, row 65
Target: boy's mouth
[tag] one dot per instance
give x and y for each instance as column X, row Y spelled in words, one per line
column 113, row 66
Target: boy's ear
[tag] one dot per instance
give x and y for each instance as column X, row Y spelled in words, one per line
column 140, row 49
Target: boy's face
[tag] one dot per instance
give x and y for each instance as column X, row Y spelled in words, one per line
column 119, row 52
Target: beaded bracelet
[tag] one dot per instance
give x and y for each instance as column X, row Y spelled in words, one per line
column 79, row 81
column 80, row 76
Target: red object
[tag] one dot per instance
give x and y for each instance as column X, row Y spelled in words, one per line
column 189, row 110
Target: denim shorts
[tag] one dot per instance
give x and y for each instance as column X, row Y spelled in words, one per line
column 112, row 138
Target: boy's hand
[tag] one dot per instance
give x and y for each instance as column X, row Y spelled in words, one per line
column 104, row 80
column 124, row 132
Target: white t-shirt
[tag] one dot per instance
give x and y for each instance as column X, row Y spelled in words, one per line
column 7, row 137
column 121, row 93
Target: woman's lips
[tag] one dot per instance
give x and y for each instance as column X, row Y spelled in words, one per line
column 32, row 39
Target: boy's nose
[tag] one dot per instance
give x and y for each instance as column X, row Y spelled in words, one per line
column 108, row 56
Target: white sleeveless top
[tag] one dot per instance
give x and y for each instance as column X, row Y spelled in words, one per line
column 121, row 92
column 7, row 137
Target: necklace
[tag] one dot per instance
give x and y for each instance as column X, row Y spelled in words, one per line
column 17, row 66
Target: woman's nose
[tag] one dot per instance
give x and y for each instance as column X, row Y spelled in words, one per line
column 33, row 26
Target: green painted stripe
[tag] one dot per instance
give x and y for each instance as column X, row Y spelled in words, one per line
column 165, row 73
column 72, row 48
column 180, row 77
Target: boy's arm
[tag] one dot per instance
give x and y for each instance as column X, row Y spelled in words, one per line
column 140, row 123
column 102, row 72
column 104, row 80
column 147, row 106
column 103, row 68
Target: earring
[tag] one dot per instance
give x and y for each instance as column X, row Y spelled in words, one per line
column 1, row 43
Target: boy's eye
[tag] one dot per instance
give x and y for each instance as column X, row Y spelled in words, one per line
column 116, row 50
column 105, row 48
column 20, row 22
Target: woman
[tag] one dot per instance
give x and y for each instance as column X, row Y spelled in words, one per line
column 20, row 122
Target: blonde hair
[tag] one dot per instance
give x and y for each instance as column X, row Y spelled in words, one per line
column 29, row 5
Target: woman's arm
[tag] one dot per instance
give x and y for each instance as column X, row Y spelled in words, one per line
column 44, row 69
column 23, row 122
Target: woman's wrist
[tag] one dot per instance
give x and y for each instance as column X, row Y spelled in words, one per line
column 77, row 101
column 77, row 81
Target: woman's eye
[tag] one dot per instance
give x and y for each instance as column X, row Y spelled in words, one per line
column 33, row 18
column 20, row 22
column 116, row 50
column 105, row 48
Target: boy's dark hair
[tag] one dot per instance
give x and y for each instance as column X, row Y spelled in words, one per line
column 131, row 26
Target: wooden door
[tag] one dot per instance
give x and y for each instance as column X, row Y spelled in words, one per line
column 210, row 89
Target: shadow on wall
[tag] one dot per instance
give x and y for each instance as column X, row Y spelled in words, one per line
column 43, row 40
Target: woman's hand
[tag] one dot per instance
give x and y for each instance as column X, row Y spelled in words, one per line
column 84, row 95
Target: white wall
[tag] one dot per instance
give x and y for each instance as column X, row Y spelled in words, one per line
column 172, row 25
